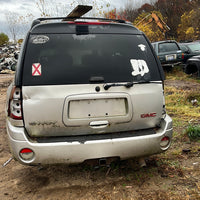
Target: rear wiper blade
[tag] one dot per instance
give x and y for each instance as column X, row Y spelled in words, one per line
column 128, row 84
column 108, row 85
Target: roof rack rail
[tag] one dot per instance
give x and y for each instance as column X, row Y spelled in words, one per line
column 37, row 21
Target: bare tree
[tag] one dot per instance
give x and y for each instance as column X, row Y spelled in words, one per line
column 13, row 27
column 17, row 24
column 172, row 10
column 130, row 11
column 49, row 8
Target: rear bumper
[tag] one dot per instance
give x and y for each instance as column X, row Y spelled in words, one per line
column 76, row 152
column 171, row 64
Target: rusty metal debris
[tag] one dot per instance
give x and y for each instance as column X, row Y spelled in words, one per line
column 8, row 57
column 7, row 162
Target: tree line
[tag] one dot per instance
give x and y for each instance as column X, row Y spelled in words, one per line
column 181, row 17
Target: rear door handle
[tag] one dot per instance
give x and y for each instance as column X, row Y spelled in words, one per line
column 99, row 124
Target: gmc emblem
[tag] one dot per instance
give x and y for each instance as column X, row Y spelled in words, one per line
column 147, row 115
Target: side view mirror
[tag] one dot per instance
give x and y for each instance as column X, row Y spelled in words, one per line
column 186, row 52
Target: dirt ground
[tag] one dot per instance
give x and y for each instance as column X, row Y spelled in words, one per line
column 171, row 175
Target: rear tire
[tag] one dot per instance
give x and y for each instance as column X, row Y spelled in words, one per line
column 168, row 68
column 191, row 69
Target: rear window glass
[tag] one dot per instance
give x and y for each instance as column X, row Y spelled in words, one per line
column 184, row 48
column 78, row 59
column 166, row 47
column 194, row 47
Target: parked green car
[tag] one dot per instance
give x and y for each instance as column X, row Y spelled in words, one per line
column 169, row 53
column 190, row 49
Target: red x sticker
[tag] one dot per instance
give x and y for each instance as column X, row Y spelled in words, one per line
column 36, row 69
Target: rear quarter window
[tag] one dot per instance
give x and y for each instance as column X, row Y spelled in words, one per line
column 194, row 47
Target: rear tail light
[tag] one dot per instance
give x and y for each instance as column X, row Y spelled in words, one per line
column 15, row 106
column 164, row 142
column 182, row 55
column 26, row 154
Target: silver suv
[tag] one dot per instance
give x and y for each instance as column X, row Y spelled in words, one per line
column 86, row 89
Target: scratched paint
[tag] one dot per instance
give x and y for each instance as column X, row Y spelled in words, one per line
column 46, row 109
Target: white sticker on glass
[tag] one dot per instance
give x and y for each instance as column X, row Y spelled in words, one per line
column 139, row 67
column 36, row 69
column 40, row 39
column 142, row 47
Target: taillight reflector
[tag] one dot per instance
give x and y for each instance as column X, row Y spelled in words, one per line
column 15, row 117
column 26, row 154
column 26, row 150
column 164, row 142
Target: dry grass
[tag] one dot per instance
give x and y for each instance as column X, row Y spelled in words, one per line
column 178, row 74
column 183, row 104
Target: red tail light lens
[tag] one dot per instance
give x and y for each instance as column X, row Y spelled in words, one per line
column 26, row 150
column 15, row 108
column 88, row 23
column 182, row 55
